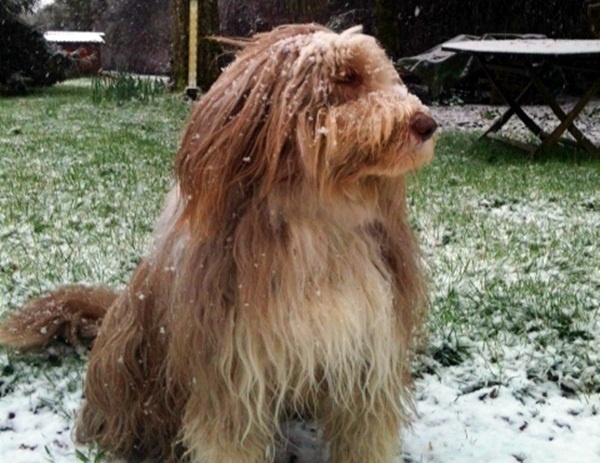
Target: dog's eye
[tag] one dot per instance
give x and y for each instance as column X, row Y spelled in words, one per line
column 349, row 77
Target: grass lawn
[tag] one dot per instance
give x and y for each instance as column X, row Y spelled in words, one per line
column 514, row 252
column 512, row 248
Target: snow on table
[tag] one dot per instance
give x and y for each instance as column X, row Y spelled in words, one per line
column 532, row 47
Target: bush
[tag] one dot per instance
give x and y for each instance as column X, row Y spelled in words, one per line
column 27, row 62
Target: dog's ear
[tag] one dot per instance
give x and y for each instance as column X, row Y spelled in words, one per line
column 238, row 140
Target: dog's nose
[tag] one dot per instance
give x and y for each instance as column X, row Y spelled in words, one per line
column 423, row 126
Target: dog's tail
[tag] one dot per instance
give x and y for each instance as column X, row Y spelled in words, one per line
column 71, row 313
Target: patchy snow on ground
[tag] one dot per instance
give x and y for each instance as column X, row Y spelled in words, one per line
column 476, row 411
column 517, row 422
column 520, row 422
column 480, row 117
column 36, row 414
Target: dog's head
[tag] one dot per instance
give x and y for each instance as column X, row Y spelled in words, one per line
column 300, row 105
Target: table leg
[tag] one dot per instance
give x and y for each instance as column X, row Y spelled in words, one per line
column 503, row 119
column 514, row 104
column 567, row 120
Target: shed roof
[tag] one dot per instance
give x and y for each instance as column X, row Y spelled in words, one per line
column 74, row 37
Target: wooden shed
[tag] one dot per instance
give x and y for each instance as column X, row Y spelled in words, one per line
column 85, row 46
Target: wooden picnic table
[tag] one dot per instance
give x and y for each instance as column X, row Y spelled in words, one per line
column 535, row 58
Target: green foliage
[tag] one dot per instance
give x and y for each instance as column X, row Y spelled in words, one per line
column 26, row 61
column 512, row 249
column 92, row 454
column 122, row 87
column 69, row 170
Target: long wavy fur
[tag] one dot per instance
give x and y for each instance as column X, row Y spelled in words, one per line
column 284, row 278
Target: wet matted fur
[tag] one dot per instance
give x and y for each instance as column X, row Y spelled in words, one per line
column 284, row 279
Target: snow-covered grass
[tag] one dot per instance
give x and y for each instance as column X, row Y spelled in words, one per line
column 512, row 369
column 514, row 250
column 80, row 187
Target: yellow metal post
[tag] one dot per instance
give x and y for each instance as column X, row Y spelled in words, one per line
column 192, row 89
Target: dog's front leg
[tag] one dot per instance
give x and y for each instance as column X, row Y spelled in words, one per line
column 220, row 428
column 363, row 430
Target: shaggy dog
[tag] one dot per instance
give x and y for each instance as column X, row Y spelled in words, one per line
column 284, row 280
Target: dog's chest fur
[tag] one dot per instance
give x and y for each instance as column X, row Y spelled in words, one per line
column 314, row 308
column 337, row 284
column 330, row 313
